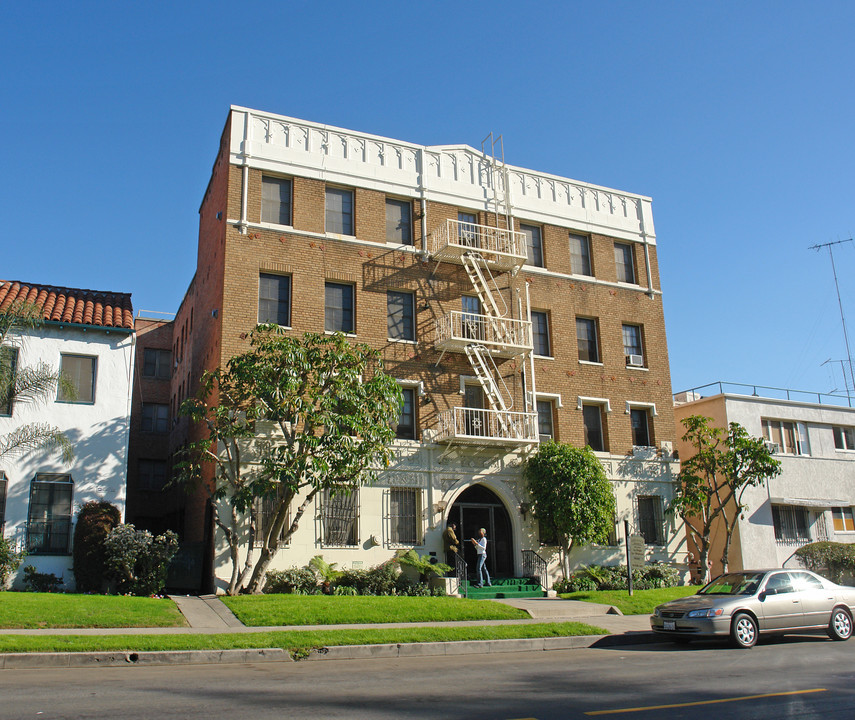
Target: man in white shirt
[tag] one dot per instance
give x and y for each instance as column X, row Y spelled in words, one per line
column 481, row 548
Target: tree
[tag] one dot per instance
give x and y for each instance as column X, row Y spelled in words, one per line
column 33, row 385
column 571, row 496
column 95, row 520
column 712, row 482
column 287, row 419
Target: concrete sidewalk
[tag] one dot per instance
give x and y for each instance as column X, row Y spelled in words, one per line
column 208, row 615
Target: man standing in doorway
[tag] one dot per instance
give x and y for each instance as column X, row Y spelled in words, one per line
column 451, row 545
column 481, row 548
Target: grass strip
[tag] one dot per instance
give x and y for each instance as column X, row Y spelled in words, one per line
column 27, row 610
column 292, row 640
column 642, row 602
column 271, row 610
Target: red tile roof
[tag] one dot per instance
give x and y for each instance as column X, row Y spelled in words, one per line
column 70, row 305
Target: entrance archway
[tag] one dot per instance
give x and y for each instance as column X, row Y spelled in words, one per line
column 479, row 507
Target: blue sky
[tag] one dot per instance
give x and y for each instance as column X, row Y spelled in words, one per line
column 736, row 117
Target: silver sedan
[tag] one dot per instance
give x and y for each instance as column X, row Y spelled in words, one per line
column 743, row 605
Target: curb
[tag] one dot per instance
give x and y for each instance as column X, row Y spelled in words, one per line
column 18, row 661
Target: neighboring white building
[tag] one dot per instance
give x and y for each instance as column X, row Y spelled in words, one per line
column 813, row 497
column 89, row 336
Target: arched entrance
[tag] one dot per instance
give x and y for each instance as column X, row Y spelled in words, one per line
column 479, row 507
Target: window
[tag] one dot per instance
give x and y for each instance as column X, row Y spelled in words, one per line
column 399, row 223
column 404, row 516
column 632, row 348
column 640, row 421
column 155, row 418
column 472, row 319
column 592, row 418
column 339, row 211
column 791, row 524
column 544, row 420
column 474, row 416
column 78, row 379
column 843, row 520
column 400, row 307
column 8, row 368
column 157, row 363
column 580, row 255
column 844, row 438
column 264, row 511
column 586, row 338
column 790, row 437
column 338, row 313
column 406, row 427
column 533, row 244
column 468, row 229
column 152, row 475
column 624, row 263
column 650, row 519
column 276, row 200
column 274, row 299
column 339, row 517
column 49, row 515
column 3, row 484
column 540, row 333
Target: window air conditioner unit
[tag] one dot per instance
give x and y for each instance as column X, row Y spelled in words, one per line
column 635, row 361
column 772, row 447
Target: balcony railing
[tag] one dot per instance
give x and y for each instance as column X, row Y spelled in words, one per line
column 487, row 427
column 502, row 249
column 503, row 337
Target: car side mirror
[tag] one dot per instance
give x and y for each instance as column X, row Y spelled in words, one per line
column 762, row 596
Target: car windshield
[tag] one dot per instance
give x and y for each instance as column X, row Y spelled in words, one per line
column 733, row 584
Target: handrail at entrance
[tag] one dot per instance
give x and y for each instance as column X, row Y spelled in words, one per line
column 534, row 566
column 461, row 572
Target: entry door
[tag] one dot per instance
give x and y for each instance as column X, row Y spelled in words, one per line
column 470, row 519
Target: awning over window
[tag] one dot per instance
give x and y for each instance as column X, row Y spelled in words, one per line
column 810, row 502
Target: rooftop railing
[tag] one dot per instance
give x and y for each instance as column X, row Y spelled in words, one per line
column 765, row 391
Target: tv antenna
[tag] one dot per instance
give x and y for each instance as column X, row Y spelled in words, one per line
column 840, row 304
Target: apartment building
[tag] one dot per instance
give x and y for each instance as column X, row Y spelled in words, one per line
column 88, row 337
column 813, row 435
column 511, row 305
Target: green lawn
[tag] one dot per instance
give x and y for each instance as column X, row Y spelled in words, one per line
column 271, row 610
column 59, row 610
column 294, row 641
column 642, row 602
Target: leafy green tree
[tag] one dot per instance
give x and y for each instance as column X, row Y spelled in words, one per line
column 571, row 496
column 27, row 385
column 712, row 482
column 289, row 418
column 95, row 520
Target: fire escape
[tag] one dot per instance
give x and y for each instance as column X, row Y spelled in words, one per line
column 491, row 333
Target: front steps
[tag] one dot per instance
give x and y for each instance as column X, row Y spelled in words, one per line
column 508, row 588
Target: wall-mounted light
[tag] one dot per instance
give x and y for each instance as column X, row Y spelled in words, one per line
column 524, row 508
column 439, row 506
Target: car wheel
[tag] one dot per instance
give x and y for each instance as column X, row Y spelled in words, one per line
column 743, row 630
column 840, row 627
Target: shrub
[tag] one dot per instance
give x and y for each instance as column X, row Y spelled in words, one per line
column 577, row 582
column 95, row 520
column 830, row 559
column 379, row 580
column 35, row 581
column 9, row 561
column 344, row 590
column 138, row 560
column 613, row 577
column 292, row 580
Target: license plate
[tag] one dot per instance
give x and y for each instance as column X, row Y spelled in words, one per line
column 669, row 625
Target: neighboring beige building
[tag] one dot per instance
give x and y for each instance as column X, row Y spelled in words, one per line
column 812, row 499
column 511, row 305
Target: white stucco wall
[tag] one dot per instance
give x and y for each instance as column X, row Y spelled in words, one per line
column 819, row 481
column 98, row 431
column 442, row 480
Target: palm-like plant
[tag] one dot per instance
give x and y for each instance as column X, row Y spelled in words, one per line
column 31, row 385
